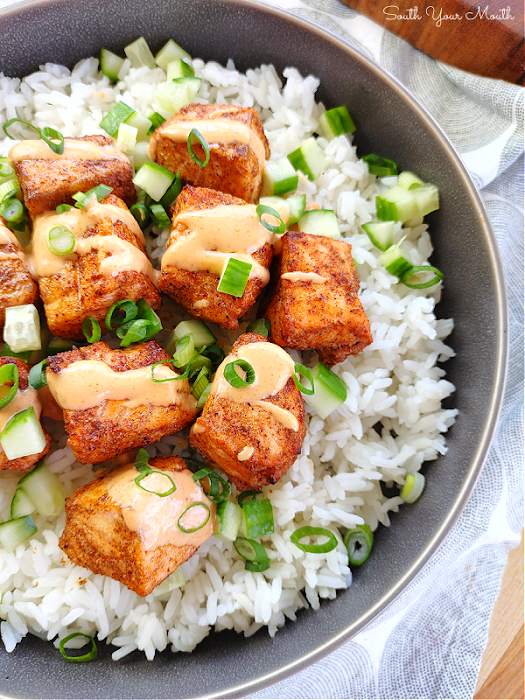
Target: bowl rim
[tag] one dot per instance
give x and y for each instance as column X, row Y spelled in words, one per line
column 495, row 402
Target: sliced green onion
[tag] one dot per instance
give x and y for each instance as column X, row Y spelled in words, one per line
column 169, row 379
column 160, row 218
column 62, row 208
column 79, row 659
column 115, row 117
column 234, row 277
column 200, row 138
column 330, row 391
column 37, row 375
column 83, row 198
column 184, row 351
column 8, row 375
column 47, row 134
column 417, row 270
column 261, row 326
column 140, row 213
column 161, row 494
column 133, row 332
column 91, row 329
column 308, row 531
column 6, row 170
column 197, row 362
column 214, row 353
column 358, row 542
column 197, row 504
column 413, row 487
column 23, row 435
column 6, row 126
column 382, row 167
column 8, row 189
column 233, row 379
column 201, row 382
column 219, row 487
column 258, row 517
column 13, row 211
column 201, row 401
column 253, row 552
column 171, row 194
column 127, row 306
column 409, row 181
column 142, row 459
column 263, row 209
column 249, row 494
column 301, row 370
column 146, row 312
column 60, row 240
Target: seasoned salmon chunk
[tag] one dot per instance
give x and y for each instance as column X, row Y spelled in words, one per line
column 208, row 228
column 116, row 528
column 108, row 264
column 314, row 302
column 237, row 143
column 253, row 433
column 17, row 287
column 48, row 179
column 111, row 403
column 24, row 398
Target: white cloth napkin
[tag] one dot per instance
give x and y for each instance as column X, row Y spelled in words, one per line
column 429, row 642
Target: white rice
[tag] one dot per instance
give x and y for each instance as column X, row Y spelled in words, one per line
column 390, row 425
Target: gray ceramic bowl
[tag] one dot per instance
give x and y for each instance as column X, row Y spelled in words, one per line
column 388, row 122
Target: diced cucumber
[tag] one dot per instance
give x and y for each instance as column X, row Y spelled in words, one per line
column 257, row 517
column 228, row 521
column 156, row 121
column 329, row 391
column 296, row 206
column 127, row 138
column 22, row 328
column 139, row 53
column 381, row 233
column 140, row 154
column 279, row 204
column 309, row 158
column 14, row 532
column 279, row 177
column 141, row 123
column 110, row 64
column 118, row 114
column 57, row 345
column 320, row 222
column 170, row 52
column 179, row 69
column 202, row 336
column 336, row 122
column 23, row 435
column 45, row 489
column 172, row 95
column 21, row 504
column 153, row 179
column 394, row 261
column 401, row 204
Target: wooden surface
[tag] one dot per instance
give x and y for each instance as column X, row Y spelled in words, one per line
column 484, row 37
column 502, row 667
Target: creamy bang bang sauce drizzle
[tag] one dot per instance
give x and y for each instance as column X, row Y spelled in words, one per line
column 214, row 236
column 36, row 149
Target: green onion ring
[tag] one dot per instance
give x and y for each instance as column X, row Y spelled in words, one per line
column 162, row 494
column 201, row 401
column 12, row 121
column 13, row 211
column 133, row 331
column 5, row 169
column 358, row 542
column 264, row 209
column 129, row 308
column 60, row 240
column 140, row 213
column 308, row 531
column 215, row 495
column 184, row 350
column 141, row 462
column 62, row 208
column 305, row 372
column 91, row 329
column 9, row 373
column 200, row 138
column 253, row 553
column 214, row 353
column 37, row 375
column 438, row 275
column 169, row 379
column 262, row 326
column 49, row 133
column 193, row 505
column 79, row 659
column 233, row 378
column 250, row 493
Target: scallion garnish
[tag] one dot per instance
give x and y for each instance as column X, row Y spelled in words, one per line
column 78, row 659
column 254, row 553
column 6, row 170
column 201, row 401
column 214, row 353
column 234, row 277
column 62, row 208
column 171, row 194
column 264, row 209
column 46, row 134
column 8, row 189
column 219, row 488
column 8, row 375
column 200, row 383
column 417, row 270
column 358, row 542
column 246, row 495
column 301, row 370
column 100, row 191
column 60, row 240
column 400, row 267
column 261, row 326
column 132, row 332
column 140, row 213
column 308, row 531
column 169, row 379
column 184, row 351
column 189, row 530
column 13, row 211
column 126, row 306
column 159, row 216
column 141, row 464
column 413, row 487
column 37, row 375
column 231, row 376
column 200, row 138
column 382, row 167
column 91, row 329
